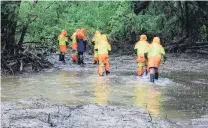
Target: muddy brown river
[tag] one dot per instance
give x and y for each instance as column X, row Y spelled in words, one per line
column 178, row 98
column 177, row 95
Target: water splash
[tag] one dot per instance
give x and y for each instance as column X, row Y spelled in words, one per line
column 160, row 82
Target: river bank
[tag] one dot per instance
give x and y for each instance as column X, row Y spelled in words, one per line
column 176, row 62
column 43, row 113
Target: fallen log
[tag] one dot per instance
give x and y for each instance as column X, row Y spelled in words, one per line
column 14, row 64
column 183, row 46
column 197, row 51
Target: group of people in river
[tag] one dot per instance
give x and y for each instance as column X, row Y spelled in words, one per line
column 149, row 56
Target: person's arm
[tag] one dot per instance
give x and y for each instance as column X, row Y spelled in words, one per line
column 85, row 45
column 58, row 41
column 135, row 48
column 93, row 42
column 109, row 47
column 146, row 55
column 146, row 52
column 164, row 58
column 67, row 42
column 96, row 47
column 135, row 51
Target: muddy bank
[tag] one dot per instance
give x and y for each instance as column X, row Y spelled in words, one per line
column 126, row 62
column 44, row 113
column 176, row 62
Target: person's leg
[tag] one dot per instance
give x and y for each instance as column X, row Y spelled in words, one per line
column 101, row 69
column 63, row 51
column 74, row 56
column 60, row 56
column 79, row 59
column 82, row 58
column 147, row 68
column 107, row 68
column 157, row 61
column 101, row 65
column 63, row 57
column 156, row 74
column 140, row 71
column 95, row 57
column 140, row 68
column 152, row 74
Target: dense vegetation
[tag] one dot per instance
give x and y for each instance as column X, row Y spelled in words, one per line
column 30, row 26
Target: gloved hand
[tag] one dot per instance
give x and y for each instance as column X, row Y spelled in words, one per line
column 67, row 43
column 93, row 42
column 164, row 58
column 145, row 56
column 135, row 51
column 109, row 52
column 96, row 49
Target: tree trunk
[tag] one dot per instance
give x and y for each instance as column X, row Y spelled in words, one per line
column 9, row 14
column 24, row 30
column 138, row 6
column 187, row 18
column 180, row 7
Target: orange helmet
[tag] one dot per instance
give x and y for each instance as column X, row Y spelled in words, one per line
column 156, row 40
column 83, row 30
column 63, row 32
column 77, row 30
column 143, row 37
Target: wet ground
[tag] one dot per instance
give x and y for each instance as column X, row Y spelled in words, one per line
column 122, row 99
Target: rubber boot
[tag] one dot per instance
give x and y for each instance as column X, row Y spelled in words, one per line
column 101, row 74
column 60, row 57
column 82, row 63
column 152, row 78
column 146, row 72
column 63, row 58
column 156, row 75
column 140, row 71
column 74, row 61
column 107, row 72
column 82, row 60
column 79, row 61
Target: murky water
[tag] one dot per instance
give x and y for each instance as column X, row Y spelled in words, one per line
column 178, row 95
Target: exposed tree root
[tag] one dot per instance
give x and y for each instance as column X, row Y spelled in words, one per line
column 12, row 64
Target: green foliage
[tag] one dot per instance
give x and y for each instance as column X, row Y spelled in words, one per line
column 115, row 18
column 52, row 17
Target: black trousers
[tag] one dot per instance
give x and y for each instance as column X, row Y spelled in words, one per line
column 80, row 58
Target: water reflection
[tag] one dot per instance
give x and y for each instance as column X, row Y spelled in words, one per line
column 101, row 91
column 63, row 78
column 149, row 97
column 175, row 100
column 65, row 85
